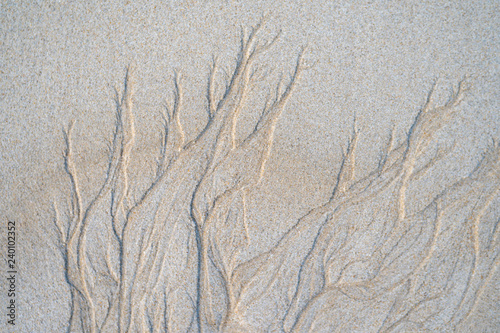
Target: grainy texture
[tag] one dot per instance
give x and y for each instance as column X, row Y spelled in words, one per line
column 256, row 168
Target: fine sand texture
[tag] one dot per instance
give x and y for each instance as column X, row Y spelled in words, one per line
column 205, row 166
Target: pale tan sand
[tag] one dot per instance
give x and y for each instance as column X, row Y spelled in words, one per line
column 238, row 167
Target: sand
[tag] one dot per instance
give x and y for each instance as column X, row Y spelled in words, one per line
column 250, row 167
